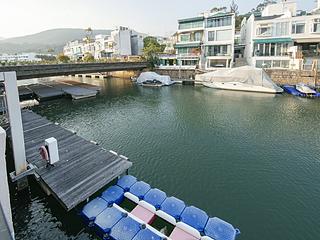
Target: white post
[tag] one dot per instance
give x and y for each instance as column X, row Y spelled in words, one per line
column 12, row 96
column 4, row 196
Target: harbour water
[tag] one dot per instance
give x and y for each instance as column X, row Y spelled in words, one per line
column 251, row 159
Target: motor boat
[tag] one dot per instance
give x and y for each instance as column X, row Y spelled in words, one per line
column 153, row 79
column 238, row 86
column 305, row 89
column 152, row 83
column 248, row 79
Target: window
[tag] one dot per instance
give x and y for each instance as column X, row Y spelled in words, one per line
column 271, row 49
column 298, row 28
column 197, row 36
column 218, row 50
column 219, row 22
column 211, row 36
column 224, row 35
column 316, row 25
column 185, row 37
column 189, row 25
column 217, row 63
column 281, row 29
column 264, row 30
column 272, row 63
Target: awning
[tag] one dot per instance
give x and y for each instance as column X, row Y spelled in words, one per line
column 273, row 40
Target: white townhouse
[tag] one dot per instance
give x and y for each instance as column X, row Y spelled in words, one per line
column 282, row 37
column 205, row 42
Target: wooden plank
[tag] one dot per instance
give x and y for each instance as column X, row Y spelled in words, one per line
column 81, row 172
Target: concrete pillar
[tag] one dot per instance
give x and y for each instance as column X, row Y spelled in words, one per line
column 15, row 119
column 4, row 196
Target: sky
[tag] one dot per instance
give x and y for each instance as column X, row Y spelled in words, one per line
column 155, row 17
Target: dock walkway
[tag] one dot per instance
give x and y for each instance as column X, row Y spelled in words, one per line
column 84, row 167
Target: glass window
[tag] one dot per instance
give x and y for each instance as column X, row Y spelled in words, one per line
column 316, row 25
column 219, row 22
column 185, row 37
column 217, row 63
column 218, row 50
column 298, row 28
column 211, row 36
column 197, row 36
column 189, row 25
column 281, row 29
column 224, row 35
column 273, row 49
column 264, row 30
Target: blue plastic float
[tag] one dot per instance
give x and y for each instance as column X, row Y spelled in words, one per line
column 112, row 223
column 155, row 197
column 220, row 230
column 126, row 229
column 126, row 182
column 174, row 207
column 147, row 234
column 106, row 220
column 140, row 189
column 195, row 218
column 93, row 209
column 113, row 194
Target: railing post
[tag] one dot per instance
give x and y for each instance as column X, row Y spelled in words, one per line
column 15, row 119
column 5, row 195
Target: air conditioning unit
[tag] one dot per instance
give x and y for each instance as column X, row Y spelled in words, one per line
column 52, row 147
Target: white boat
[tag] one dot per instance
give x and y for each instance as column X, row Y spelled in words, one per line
column 152, row 78
column 238, row 86
column 305, row 89
column 246, row 78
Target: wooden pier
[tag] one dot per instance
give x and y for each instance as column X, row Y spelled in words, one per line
column 44, row 92
column 84, row 167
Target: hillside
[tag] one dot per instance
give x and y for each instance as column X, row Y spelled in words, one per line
column 40, row 42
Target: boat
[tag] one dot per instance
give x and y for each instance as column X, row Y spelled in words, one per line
column 152, row 83
column 152, row 79
column 305, row 89
column 248, row 79
column 238, row 86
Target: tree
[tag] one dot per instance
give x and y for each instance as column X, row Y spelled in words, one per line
column 89, row 33
column 63, row 58
column 151, row 50
column 88, row 57
column 234, row 8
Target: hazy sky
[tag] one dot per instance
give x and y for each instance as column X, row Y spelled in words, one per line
column 158, row 17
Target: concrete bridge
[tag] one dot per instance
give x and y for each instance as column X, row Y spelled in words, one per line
column 38, row 71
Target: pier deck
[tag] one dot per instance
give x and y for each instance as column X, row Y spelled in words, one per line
column 74, row 91
column 44, row 92
column 84, row 168
column 83, row 85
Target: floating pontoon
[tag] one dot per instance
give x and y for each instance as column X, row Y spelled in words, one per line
column 112, row 220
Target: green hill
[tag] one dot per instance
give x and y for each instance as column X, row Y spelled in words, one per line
column 43, row 41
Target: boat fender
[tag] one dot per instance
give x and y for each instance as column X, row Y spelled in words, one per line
column 44, row 154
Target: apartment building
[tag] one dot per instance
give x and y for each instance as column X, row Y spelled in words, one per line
column 121, row 42
column 282, row 37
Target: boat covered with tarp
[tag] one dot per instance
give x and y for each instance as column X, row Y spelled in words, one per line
column 154, row 79
column 245, row 78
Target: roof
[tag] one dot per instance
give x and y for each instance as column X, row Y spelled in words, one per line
column 267, row 17
column 194, row 19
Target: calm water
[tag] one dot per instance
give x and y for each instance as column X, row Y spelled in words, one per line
column 251, row 159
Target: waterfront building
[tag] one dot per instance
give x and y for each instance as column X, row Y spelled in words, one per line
column 206, row 41
column 23, row 57
column 120, row 42
column 282, row 37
